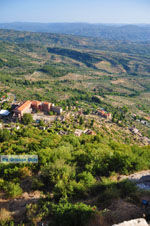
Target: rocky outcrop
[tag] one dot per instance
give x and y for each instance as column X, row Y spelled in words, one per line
column 142, row 179
column 136, row 222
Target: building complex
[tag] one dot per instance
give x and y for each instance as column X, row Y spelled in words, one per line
column 33, row 106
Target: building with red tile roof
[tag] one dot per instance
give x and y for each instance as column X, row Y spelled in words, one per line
column 30, row 106
column 36, row 105
column 104, row 114
column 46, row 106
column 23, row 108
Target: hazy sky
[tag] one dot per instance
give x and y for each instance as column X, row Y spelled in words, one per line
column 92, row 11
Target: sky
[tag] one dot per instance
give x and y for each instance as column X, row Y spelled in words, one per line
column 91, row 11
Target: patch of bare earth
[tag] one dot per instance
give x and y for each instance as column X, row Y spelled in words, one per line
column 121, row 210
column 105, row 65
column 119, row 101
column 118, row 81
column 36, row 76
column 17, row 207
column 117, row 212
column 73, row 76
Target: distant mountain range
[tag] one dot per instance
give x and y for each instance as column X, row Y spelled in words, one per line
column 104, row 31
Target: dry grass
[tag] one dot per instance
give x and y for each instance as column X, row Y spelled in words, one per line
column 5, row 215
column 118, row 81
column 25, row 172
column 75, row 77
column 119, row 101
column 99, row 220
column 105, row 65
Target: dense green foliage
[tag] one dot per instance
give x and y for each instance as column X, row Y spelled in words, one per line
column 53, row 71
column 69, row 154
column 76, row 55
column 11, row 189
column 64, row 213
column 68, row 168
column 27, row 118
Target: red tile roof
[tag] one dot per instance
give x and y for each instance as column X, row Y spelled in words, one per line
column 46, row 103
column 36, row 102
column 24, row 105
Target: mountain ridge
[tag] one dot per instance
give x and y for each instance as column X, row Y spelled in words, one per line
column 125, row 32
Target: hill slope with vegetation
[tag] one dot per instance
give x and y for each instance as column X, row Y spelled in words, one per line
column 77, row 179
column 72, row 176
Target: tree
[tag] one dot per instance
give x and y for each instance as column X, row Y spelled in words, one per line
column 81, row 121
column 125, row 109
column 87, row 111
column 41, row 123
column 92, row 122
column 6, row 105
column 27, row 118
column 4, row 135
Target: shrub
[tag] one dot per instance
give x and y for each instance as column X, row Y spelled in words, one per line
column 1, row 183
column 4, row 135
column 57, row 171
column 69, row 214
column 12, row 190
column 32, row 213
column 86, row 178
column 10, row 172
column 37, row 184
column 127, row 188
column 27, row 118
column 108, row 195
column 58, row 175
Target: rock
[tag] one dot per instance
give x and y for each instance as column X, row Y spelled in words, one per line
column 143, row 186
column 144, row 179
column 25, row 195
column 136, row 222
column 144, row 182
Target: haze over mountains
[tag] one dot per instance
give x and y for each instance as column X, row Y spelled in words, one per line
column 124, row 32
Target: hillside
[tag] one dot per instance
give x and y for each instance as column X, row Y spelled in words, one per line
column 101, row 69
column 119, row 75
column 103, row 31
column 83, row 157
